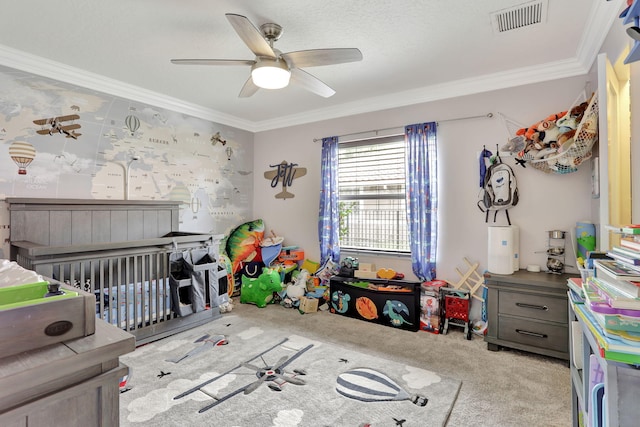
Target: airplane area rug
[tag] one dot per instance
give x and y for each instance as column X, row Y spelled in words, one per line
column 233, row 373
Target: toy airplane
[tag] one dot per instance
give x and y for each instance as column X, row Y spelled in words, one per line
column 287, row 172
column 56, row 125
column 266, row 374
column 208, row 343
column 217, row 138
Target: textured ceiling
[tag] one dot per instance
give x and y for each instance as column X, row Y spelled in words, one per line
column 414, row 51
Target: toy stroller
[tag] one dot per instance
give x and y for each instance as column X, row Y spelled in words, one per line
column 455, row 310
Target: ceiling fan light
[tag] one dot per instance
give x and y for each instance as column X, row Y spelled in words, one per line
column 270, row 74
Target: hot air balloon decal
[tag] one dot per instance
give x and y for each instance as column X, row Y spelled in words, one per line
column 22, row 153
column 368, row 385
column 229, row 152
column 132, row 123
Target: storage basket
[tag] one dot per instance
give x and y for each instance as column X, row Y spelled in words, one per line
column 571, row 154
column 568, row 159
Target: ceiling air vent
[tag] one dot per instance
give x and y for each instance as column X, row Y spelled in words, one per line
column 520, row 16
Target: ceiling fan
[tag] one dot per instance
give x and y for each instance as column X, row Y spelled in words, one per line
column 272, row 69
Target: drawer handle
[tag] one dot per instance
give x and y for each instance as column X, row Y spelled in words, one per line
column 536, row 307
column 531, row 334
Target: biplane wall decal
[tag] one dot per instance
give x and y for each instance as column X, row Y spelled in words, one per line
column 285, row 173
column 57, row 125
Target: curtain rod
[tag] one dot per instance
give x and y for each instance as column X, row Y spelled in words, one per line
column 488, row 116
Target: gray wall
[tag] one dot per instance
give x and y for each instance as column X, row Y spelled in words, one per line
column 547, row 201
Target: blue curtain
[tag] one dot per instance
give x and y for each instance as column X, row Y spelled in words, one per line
column 328, row 218
column 422, row 198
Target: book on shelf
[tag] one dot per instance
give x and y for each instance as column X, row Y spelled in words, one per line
column 632, row 253
column 617, row 270
column 609, row 349
column 630, row 243
column 575, row 284
column 622, row 319
column 613, row 296
column 629, row 288
column 624, row 229
column 623, row 257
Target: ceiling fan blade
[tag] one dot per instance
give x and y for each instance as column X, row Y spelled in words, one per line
column 250, row 35
column 248, row 89
column 213, row 61
column 317, row 57
column 311, row 83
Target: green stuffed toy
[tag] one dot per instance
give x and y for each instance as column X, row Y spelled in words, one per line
column 259, row 291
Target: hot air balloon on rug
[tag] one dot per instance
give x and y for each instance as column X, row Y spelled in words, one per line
column 22, row 153
column 369, row 385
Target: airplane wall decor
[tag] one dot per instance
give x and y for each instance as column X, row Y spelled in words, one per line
column 285, row 172
column 56, row 125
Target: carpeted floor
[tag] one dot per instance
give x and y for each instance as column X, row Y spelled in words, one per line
column 505, row 388
column 265, row 376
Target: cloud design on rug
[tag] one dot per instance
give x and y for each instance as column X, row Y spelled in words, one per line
column 251, row 333
column 417, row 378
column 174, row 344
column 160, row 400
column 288, row 418
column 296, row 342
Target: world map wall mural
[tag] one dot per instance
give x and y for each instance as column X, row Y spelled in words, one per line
column 66, row 142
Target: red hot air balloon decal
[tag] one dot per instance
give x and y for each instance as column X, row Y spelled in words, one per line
column 22, row 153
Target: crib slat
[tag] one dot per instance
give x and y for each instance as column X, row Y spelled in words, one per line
column 131, row 287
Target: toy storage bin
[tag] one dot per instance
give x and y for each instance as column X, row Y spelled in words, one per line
column 394, row 303
column 181, row 288
column 204, row 275
column 430, row 305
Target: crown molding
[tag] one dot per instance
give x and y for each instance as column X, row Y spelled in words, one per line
column 471, row 86
column 55, row 70
column 599, row 23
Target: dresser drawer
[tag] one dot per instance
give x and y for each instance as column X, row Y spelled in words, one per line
column 541, row 307
column 537, row 334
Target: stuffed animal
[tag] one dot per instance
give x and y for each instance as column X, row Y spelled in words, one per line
column 296, row 289
column 259, row 291
column 226, row 306
column 571, row 120
column 542, row 125
column 565, row 140
column 546, row 136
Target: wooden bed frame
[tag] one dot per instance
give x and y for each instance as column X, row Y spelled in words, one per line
column 117, row 249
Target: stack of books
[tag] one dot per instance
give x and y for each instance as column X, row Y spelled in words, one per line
column 611, row 299
column 618, row 284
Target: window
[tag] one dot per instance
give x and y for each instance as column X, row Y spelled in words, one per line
column 371, row 181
